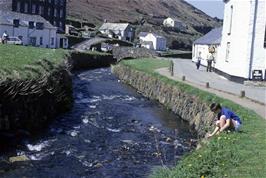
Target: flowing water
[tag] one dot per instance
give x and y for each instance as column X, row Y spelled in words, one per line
column 112, row 131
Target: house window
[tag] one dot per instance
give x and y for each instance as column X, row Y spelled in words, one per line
column 41, row 10
column 49, row 11
column 39, row 26
column 52, row 41
column 231, row 20
column 227, row 52
column 31, row 25
column 61, row 13
column 26, row 7
column 33, row 9
column 18, row 6
column 41, row 41
column 61, row 24
column 33, row 41
column 16, row 22
column 20, row 37
column 55, row 12
column 62, row 2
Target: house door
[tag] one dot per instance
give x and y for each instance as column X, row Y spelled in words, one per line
column 33, row 41
column 61, row 42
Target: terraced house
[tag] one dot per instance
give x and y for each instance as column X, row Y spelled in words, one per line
column 33, row 30
column 38, row 23
column 52, row 10
column 242, row 54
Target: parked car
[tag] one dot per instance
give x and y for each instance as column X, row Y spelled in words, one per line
column 14, row 40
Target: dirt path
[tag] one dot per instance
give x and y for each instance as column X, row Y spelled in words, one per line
column 247, row 103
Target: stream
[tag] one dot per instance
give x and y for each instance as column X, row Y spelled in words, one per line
column 112, row 131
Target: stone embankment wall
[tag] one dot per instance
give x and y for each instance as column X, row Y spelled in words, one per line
column 188, row 107
column 30, row 104
column 83, row 60
column 129, row 52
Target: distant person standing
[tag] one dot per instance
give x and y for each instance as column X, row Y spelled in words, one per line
column 4, row 37
column 209, row 63
column 198, row 61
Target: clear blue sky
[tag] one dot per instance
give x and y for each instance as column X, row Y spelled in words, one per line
column 214, row 8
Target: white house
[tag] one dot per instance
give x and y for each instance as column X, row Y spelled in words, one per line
column 152, row 41
column 202, row 46
column 122, row 31
column 175, row 23
column 243, row 50
column 33, row 30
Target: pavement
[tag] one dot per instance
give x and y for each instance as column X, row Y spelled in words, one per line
column 255, row 97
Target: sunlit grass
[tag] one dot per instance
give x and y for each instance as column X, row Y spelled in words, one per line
column 15, row 58
column 146, row 64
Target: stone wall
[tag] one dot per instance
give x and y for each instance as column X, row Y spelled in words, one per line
column 30, row 104
column 188, row 107
column 83, row 60
column 129, row 52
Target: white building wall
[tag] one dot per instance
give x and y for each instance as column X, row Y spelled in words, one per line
column 151, row 38
column 27, row 33
column 240, row 38
column 259, row 58
column 168, row 22
column 158, row 43
column 236, row 62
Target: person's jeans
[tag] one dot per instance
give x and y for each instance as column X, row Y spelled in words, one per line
column 209, row 67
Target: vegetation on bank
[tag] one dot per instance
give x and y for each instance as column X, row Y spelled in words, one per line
column 14, row 60
column 240, row 154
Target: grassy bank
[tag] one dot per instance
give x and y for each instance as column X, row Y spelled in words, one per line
column 227, row 155
column 16, row 58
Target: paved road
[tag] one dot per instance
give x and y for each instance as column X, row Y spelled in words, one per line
column 187, row 68
column 218, row 85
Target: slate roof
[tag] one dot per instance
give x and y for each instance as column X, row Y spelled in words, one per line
column 114, row 26
column 213, row 37
column 7, row 17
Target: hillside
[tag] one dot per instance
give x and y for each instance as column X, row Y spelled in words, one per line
column 152, row 12
column 145, row 15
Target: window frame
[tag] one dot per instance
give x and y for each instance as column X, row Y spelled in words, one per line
column 227, row 53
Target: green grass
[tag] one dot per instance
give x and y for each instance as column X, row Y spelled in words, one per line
column 146, row 64
column 237, row 155
column 15, row 58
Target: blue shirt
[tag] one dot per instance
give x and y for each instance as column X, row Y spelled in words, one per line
column 229, row 114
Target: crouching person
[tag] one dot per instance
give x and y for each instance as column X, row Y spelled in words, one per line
column 227, row 119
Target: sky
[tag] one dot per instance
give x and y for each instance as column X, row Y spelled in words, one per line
column 214, row 8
